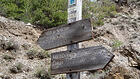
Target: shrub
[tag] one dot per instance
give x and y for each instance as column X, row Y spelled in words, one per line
column 37, row 54
column 8, row 57
column 117, row 43
column 43, row 54
column 98, row 11
column 9, row 45
column 26, row 46
column 17, row 68
column 31, row 54
column 6, row 77
column 47, row 13
column 42, row 74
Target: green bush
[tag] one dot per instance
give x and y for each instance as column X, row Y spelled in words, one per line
column 8, row 57
column 42, row 74
column 51, row 13
column 35, row 53
column 17, row 68
column 117, row 43
column 98, row 11
column 47, row 13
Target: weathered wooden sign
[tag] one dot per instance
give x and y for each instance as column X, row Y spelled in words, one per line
column 66, row 34
column 92, row 58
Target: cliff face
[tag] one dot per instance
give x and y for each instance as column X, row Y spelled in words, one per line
column 22, row 58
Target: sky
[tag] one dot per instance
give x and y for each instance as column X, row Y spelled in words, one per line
column 93, row 0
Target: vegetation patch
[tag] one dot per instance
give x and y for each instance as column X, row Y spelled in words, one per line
column 31, row 54
column 5, row 77
column 18, row 68
column 42, row 74
column 8, row 57
column 9, row 45
column 98, row 11
column 117, row 44
column 47, row 13
column 43, row 54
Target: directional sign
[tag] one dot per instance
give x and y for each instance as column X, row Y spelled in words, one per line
column 92, row 58
column 66, row 34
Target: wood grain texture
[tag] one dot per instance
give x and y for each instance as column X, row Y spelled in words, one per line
column 66, row 34
column 91, row 58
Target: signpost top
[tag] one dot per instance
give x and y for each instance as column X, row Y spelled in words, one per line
column 72, row 2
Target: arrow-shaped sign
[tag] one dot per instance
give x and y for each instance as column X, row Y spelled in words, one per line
column 92, row 58
column 66, row 34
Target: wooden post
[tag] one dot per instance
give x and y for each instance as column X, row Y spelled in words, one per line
column 75, row 75
column 74, row 14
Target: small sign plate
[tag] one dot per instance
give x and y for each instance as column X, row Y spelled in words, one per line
column 91, row 58
column 72, row 2
column 66, row 34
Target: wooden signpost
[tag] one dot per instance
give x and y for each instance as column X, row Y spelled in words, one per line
column 74, row 59
column 66, row 34
column 91, row 58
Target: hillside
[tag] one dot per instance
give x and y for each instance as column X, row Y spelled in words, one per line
column 22, row 58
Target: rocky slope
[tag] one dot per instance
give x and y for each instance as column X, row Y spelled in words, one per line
column 17, row 50
column 121, row 35
column 22, row 58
